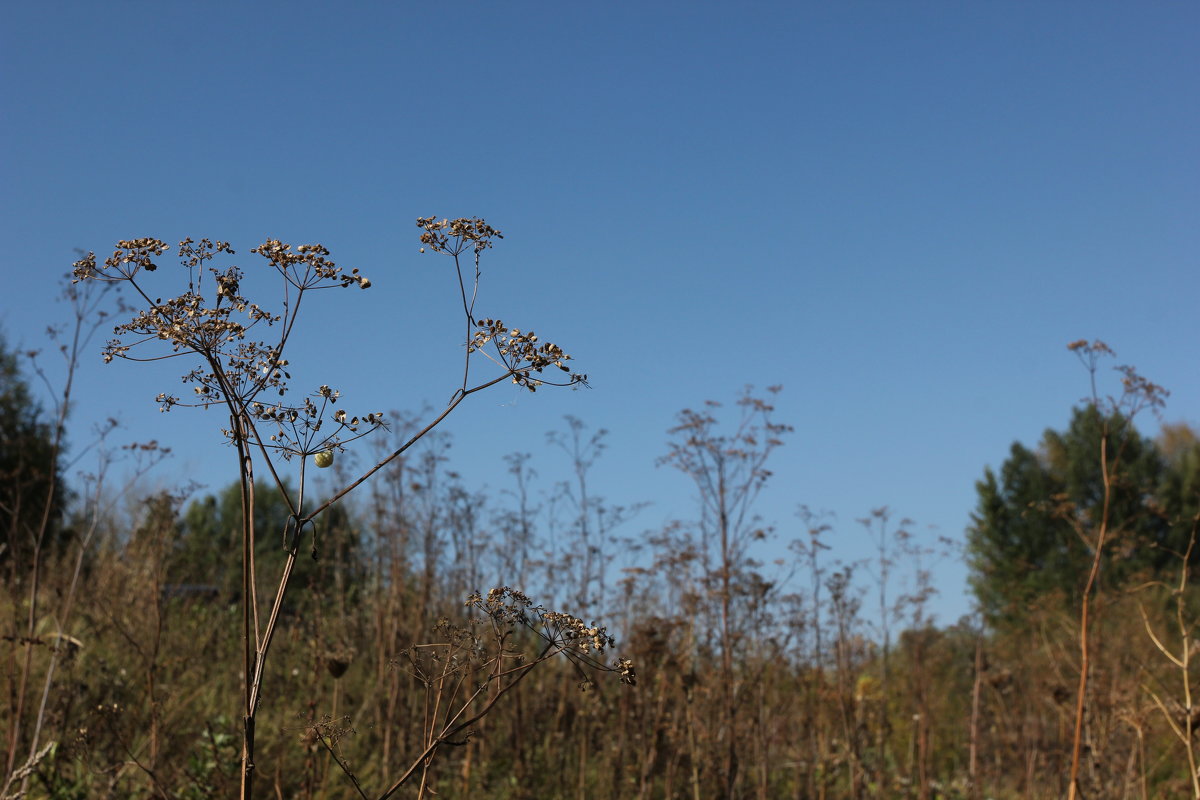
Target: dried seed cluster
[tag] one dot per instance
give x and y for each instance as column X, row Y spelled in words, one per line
column 235, row 370
column 453, row 236
column 572, row 636
column 521, row 352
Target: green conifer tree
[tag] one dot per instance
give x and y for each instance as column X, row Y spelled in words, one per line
column 31, row 489
column 1029, row 538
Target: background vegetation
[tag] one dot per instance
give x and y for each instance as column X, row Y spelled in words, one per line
column 804, row 677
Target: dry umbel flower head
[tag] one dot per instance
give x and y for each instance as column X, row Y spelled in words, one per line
column 454, row 236
column 235, row 370
column 520, row 353
column 564, row 633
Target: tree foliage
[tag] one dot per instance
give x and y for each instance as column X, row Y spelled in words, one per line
column 31, row 493
column 207, row 550
column 1029, row 540
column 1179, row 490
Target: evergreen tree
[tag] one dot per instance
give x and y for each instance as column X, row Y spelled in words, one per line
column 1179, row 489
column 1031, row 536
column 208, row 550
column 31, row 489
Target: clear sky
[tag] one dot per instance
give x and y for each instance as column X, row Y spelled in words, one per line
column 900, row 211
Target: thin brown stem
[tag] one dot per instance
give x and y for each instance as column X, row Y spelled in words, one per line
column 1084, row 621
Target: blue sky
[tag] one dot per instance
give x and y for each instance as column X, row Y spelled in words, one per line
column 901, row 212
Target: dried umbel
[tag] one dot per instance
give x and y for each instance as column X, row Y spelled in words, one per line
column 213, row 319
column 248, row 374
column 453, row 236
column 516, row 351
column 564, row 633
column 521, row 349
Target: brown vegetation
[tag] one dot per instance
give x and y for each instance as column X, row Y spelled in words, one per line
column 136, row 644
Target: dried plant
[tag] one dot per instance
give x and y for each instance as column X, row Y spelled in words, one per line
column 213, row 324
column 1184, row 719
column 1117, row 414
column 729, row 470
column 32, row 530
column 473, row 666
